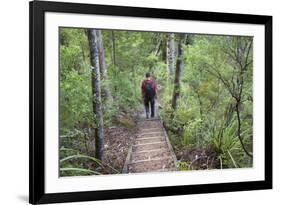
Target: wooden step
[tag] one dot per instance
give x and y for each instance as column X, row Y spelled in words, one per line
column 154, row 134
column 150, row 160
column 157, row 129
column 147, row 151
column 149, row 133
column 149, row 140
column 146, row 138
column 164, row 170
column 150, row 146
column 150, row 155
column 157, row 164
column 150, row 124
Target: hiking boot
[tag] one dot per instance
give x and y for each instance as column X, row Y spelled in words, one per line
column 147, row 116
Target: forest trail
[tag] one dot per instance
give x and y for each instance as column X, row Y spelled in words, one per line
column 151, row 150
column 205, row 83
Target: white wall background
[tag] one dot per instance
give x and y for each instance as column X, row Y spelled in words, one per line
column 14, row 100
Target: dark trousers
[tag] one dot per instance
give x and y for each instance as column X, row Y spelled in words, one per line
column 148, row 101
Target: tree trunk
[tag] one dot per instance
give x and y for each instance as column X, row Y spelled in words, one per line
column 157, row 49
column 101, row 53
column 103, row 68
column 113, row 56
column 179, row 67
column 96, row 92
column 170, row 55
column 238, row 104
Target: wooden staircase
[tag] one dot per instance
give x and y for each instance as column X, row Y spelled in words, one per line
column 151, row 150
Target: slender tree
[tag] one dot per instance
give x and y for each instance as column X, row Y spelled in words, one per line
column 239, row 52
column 179, row 68
column 157, row 48
column 96, row 93
column 241, row 55
column 113, row 54
column 102, row 64
column 170, row 54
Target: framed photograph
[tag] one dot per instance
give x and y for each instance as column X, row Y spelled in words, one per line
column 130, row 102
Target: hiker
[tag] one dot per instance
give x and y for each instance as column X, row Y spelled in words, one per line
column 149, row 94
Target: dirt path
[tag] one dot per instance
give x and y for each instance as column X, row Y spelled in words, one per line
column 151, row 150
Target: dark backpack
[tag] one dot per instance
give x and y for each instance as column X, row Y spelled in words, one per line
column 148, row 89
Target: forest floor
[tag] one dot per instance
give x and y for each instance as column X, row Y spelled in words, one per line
column 118, row 139
column 198, row 158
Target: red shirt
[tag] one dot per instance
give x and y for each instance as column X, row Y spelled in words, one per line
column 154, row 86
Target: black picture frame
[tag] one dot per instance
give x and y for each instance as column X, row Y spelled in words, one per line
column 37, row 10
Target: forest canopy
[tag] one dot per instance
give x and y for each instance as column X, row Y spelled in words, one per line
column 205, row 98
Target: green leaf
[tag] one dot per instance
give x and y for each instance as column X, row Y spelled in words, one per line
column 79, row 170
column 79, row 157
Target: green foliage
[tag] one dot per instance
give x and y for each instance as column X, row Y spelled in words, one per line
column 74, row 100
column 182, row 166
column 78, row 171
column 125, row 90
column 205, row 116
column 194, row 128
column 129, row 123
column 79, row 156
column 76, row 161
column 75, row 81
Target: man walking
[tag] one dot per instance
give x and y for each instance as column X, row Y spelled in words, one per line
column 149, row 93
